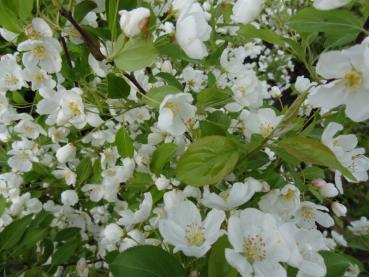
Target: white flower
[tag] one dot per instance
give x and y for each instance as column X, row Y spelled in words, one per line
column 175, row 112
column 234, row 197
column 329, row 4
column 344, row 147
column 45, row 53
column 22, row 156
column 66, row 153
column 283, row 202
column 304, row 250
column 360, row 227
column 247, row 92
column 134, row 22
column 350, row 86
column 262, row 122
column 195, row 79
column 69, row 197
column 309, row 213
column 72, row 109
column 11, row 75
column 113, row 232
column 245, row 11
column 67, row 174
column 352, row 271
column 29, row 129
column 258, row 245
column 184, row 229
column 38, row 29
column 129, row 218
column 192, row 30
column 8, row 35
column 39, row 78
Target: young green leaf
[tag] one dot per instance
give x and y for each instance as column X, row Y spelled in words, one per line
column 314, row 152
column 207, row 161
column 136, row 54
column 162, row 156
column 83, row 8
column 124, row 143
column 146, row 261
column 213, row 97
column 156, row 95
column 217, row 265
column 117, row 87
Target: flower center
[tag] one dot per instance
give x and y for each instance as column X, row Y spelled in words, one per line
column 266, row 130
column 40, row 78
column 195, row 234
column 39, row 51
column 353, row 80
column 11, row 79
column 173, row 107
column 307, row 213
column 254, row 249
column 74, row 108
column 23, row 156
column 289, row 195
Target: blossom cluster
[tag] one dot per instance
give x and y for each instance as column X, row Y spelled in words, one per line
column 171, row 124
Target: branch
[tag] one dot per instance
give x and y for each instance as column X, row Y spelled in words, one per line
column 362, row 35
column 95, row 49
column 64, row 45
column 133, row 79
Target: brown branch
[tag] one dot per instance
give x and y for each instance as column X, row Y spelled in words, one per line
column 362, row 35
column 65, row 48
column 133, row 79
column 94, row 48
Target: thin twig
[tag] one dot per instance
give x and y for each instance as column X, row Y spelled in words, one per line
column 65, row 48
column 94, row 48
column 133, row 79
column 362, row 35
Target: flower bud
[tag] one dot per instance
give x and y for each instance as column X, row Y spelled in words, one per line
column 275, row 92
column 318, row 183
column 113, row 232
column 66, row 153
column 166, row 67
column 69, row 197
column 328, row 190
column 134, row 22
column 302, row 84
column 339, row 209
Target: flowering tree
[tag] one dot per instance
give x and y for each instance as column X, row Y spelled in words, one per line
column 184, row 138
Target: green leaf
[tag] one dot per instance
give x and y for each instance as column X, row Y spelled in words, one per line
column 249, row 31
column 213, row 97
column 124, row 143
column 3, row 205
column 216, row 123
column 162, row 156
column 140, row 181
column 67, row 233
column 156, row 95
column 84, row 170
column 312, row 172
column 288, row 121
column 170, row 80
column 217, row 265
column 8, row 19
column 336, row 263
column 117, row 87
column 65, row 252
column 12, row 233
column 136, row 54
column 207, row 161
column 83, row 8
column 334, row 22
column 314, row 152
column 146, row 261
column 23, row 8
